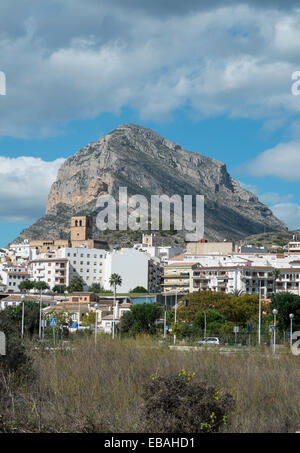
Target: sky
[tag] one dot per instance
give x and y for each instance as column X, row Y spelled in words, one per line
column 212, row 76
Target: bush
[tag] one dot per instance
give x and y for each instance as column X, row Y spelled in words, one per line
column 177, row 404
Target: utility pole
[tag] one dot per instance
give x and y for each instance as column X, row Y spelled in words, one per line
column 259, row 313
column 204, row 324
column 175, row 320
column 96, row 306
column 40, row 323
column 78, row 314
column 23, row 309
column 165, row 317
column 291, row 329
column 275, row 312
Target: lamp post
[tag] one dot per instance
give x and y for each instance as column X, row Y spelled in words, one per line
column 175, row 320
column 204, row 324
column 96, row 306
column 275, row 312
column 23, row 309
column 259, row 313
column 40, row 323
column 291, row 330
column 165, row 317
column 78, row 314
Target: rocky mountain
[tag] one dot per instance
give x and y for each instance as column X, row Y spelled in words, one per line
column 140, row 159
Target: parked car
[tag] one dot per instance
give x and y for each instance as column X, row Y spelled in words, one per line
column 212, row 340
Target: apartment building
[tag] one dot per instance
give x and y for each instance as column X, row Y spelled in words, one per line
column 178, row 277
column 86, row 263
column 12, row 276
column 163, row 253
column 135, row 267
column 53, row 271
column 227, row 273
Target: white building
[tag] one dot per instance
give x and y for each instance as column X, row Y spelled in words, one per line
column 12, row 276
column 20, row 251
column 244, row 272
column 53, row 271
column 85, row 263
column 135, row 267
column 163, row 253
column 107, row 321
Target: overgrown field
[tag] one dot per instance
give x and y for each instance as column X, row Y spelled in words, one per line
column 102, row 388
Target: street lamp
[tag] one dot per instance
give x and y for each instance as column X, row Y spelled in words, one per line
column 259, row 313
column 165, row 317
column 275, row 312
column 96, row 306
column 175, row 320
column 291, row 331
column 40, row 321
column 22, row 328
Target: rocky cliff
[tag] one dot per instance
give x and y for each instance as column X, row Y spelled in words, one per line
column 147, row 164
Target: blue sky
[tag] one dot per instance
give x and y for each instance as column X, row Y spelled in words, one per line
column 215, row 78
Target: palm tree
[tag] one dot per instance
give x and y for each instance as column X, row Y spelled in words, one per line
column 275, row 273
column 115, row 280
column 237, row 293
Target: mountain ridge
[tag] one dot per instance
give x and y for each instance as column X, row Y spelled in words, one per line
column 146, row 163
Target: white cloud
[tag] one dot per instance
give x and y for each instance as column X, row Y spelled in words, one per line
column 93, row 58
column 24, row 187
column 273, row 197
column 282, row 161
column 289, row 213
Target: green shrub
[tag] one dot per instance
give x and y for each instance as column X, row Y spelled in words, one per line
column 177, row 404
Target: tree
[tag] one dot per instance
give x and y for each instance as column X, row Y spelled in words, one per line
column 76, row 285
column 286, row 303
column 96, row 288
column 26, row 285
column 275, row 273
column 139, row 289
column 214, row 320
column 141, row 319
column 237, row 292
column 59, row 289
column 13, row 317
column 89, row 318
column 115, row 280
column 40, row 286
column 239, row 309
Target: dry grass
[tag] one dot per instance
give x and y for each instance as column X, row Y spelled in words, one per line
column 99, row 389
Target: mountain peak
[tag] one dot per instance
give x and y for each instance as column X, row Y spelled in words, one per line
column 140, row 159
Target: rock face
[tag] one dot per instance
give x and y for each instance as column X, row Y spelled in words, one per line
column 138, row 158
